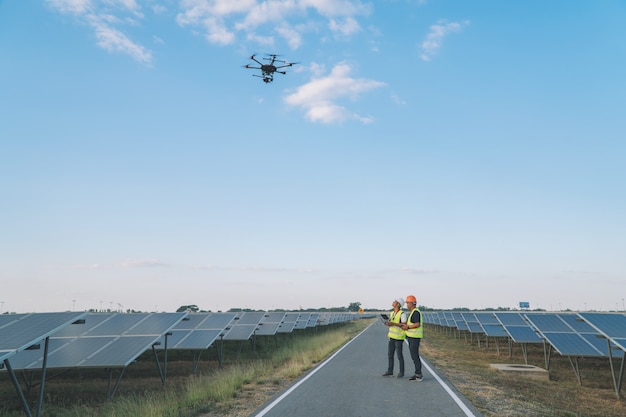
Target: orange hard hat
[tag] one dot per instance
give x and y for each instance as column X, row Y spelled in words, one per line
column 411, row 299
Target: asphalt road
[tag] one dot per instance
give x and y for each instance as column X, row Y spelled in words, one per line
column 350, row 384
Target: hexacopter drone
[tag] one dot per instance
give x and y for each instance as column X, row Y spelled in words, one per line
column 268, row 70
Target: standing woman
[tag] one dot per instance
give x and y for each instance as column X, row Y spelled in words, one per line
column 397, row 319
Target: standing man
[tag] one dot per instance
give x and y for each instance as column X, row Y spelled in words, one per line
column 397, row 319
column 414, row 333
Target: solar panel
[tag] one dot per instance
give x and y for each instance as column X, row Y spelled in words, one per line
column 303, row 320
column 198, row 331
column 20, row 331
column 194, row 340
column 571, row 344
column 449, row 319
column 494, row 330
column 523, row 334
column 518, row 329
column 511, row 319
column 244, row 326
column 436, row 318
column 289, row 322
column 459, row 323
column 291, row 317
column 472, row 323
column 274, row 317
column 598, row 342
column 286, row 327
column 325, row 319
column 240, row 332
column 218, row 321
column 486, row 318
column 250, row 317
column 267, row 329
column 108, row 341
column 313, row 320
column 576, row 323
column 113, row 324
column 270, row 324
column 612, row 325
column 567, row 341
column 490, row 324
column 548, row 322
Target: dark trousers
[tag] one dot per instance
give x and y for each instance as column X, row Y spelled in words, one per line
column 414, row 349
column 395, row 346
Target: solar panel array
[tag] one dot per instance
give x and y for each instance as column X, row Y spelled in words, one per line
column 573, row 335
column 115, row 340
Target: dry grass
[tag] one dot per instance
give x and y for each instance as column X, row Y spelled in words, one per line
column 496, row 393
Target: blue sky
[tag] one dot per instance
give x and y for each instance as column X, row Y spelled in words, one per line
column 468, row 152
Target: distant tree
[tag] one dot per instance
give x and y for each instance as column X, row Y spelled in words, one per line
column 354, row 306
column 191, row 308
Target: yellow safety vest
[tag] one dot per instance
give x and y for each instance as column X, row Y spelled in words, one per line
column 417, row 332
column 395, row 332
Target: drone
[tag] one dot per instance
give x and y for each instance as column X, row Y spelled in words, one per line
column 268, row 70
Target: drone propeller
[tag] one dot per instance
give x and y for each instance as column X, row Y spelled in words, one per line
column 287, row 64
column 253, row 57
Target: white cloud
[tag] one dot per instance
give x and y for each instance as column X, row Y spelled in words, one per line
column 290, row 34
column 267, row 11
column 320, row 95
column 261, row 40
column 76, row 7
column 220, row 21
column 217, row 32
column 348, row 27
column 435, row 37
column 114, row 40
column 105, row 17
column 331, row 8
column 218, row 17
column 159, row 9
column 397, row 99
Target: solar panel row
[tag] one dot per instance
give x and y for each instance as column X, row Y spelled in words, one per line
column 572, row 335
column 115, row 340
